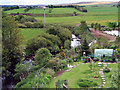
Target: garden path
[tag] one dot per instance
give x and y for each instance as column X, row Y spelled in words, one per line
column 102, row 75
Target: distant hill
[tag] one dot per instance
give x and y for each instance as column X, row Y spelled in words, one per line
column 92, row 3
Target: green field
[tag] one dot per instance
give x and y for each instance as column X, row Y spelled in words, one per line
column 21, row 10
column 54, row 11
column 82, row 71
column 101, row 14
column 30, row 32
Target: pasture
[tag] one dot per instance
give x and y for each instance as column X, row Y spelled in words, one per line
column 101, row 14
column 31, row 32
column 21, row 10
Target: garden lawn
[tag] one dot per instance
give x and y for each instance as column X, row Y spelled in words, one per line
column 31, row 32
column 83, row 71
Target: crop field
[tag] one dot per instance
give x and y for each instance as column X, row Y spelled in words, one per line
column 30, row 32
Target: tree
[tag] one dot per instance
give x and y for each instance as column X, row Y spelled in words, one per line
column 22, row 70
column 85, row 48
column 83, row 26
column 11, row 41
column 67, row 44
column 99, row 27
column 92, row 25
column 75, row 13
column 62, row 33
column 42, row 56
column 96, row 26
column 43, row 40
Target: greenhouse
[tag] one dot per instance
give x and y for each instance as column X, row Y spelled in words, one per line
column 103, row 52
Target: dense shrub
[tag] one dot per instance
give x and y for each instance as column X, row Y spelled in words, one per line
column 28, row 19
column 31, row 81
column 62, row 33
column 55, row 49
column 67, row 44
column 43, row 40
column 42, row 56
column 106, row 70
column 54, row 65
column 22, row 26
column 29, row 24
column 63, row 64
column 38, row 25
column 50, row 71
column 87, row 83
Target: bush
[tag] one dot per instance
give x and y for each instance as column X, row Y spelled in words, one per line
column 29, row 24
column 106, row 70
column 67, row 44
column 86, row 83
column 38, row 25
column 28, row 19
column 50, row 71
column 69, row 60
column 22, row 26
column 42, row 56
column 63, row 64
column 53, row 65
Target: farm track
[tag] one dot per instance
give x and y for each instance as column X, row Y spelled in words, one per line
column 99, row 34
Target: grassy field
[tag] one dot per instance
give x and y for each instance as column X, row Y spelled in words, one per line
column 30, row 32
column 82, row 71
column 101, row 14
column 21, row 10
column 64, row 11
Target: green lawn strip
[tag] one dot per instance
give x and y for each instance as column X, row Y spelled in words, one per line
column 31, row 32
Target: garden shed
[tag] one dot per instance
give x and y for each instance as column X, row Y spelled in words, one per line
column 103, row 52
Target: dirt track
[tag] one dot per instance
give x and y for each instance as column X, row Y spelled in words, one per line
column 99, row 34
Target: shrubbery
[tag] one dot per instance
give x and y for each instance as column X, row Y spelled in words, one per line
column 87, row 83
column 42, row 56
column 42, row 40
column 29, row 24
column 38, row 25
column 54, row 65
column 63, row 64
column 50, row 71
column 28, row 19
column 106, row 70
